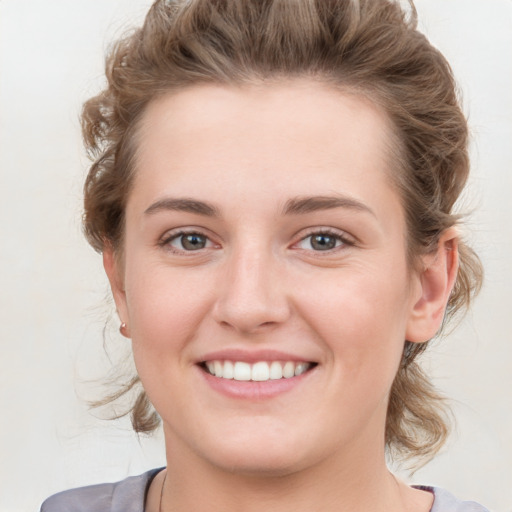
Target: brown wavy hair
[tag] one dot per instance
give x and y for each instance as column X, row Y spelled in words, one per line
column 367, row 47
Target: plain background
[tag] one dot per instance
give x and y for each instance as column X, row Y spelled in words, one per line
column 52, row 289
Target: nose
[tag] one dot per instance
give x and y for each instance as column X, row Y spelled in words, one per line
column 251, row 297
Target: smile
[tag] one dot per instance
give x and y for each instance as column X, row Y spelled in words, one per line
column 259, row 372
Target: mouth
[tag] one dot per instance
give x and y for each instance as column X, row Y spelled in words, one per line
column 259, row 371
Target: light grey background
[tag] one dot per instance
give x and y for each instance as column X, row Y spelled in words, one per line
column 52, row 289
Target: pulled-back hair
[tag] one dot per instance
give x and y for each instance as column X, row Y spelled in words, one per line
column 366, row 47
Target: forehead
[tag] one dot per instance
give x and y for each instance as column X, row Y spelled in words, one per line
column 306, row 108
column 287, row 137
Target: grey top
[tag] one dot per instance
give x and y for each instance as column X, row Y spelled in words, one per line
column 129, row 495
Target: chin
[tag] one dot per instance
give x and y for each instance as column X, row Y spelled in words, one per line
column 259, row 463
column 268, row 456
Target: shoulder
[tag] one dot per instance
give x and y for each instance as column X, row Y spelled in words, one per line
column 444, row 501
column 128, row 495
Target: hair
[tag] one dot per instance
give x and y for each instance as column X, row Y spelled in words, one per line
column 367, row 47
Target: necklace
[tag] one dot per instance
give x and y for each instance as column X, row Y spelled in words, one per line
column 162, row 493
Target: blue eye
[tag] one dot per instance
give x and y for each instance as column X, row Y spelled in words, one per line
column 322, row 242
column 189, row 241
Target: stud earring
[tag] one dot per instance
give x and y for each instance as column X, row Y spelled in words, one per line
column 123, row 329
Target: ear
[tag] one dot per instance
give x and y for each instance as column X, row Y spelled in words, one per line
column 113, row 268
column 436, row 280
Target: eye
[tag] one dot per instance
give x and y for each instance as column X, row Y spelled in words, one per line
column 323, row 241
column 188, row 241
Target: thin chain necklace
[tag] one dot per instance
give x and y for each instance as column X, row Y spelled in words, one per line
column 162, row 493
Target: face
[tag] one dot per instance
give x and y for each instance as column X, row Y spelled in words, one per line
column 263, row 240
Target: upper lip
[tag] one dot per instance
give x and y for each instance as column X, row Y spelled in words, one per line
column 252, row 356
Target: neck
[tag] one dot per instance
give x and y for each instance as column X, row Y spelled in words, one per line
column 340, row 483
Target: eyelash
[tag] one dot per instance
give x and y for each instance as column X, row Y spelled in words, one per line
column 342, row 240
column 166, row 240
column 339, row 237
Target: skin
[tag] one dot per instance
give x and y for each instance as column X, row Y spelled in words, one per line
column 259, row 284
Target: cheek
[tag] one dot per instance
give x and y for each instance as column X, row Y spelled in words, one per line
column 165, row 306
column 362, row 319
column 165, row 310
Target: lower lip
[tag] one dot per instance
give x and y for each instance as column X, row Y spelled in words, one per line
column 253, row 390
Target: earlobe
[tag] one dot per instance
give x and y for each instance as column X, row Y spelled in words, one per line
column 115, row 276
column 436, row 282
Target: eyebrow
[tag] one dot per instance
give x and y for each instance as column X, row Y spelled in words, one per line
column 295, row 206
column 183, row 205
column 308, row 204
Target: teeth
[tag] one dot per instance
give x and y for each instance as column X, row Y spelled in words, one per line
column 242, row 371
column 218, row 367
column 228, row 372
column 276, row 370
column 301, row 368
column 260, row 371
column 288, row 370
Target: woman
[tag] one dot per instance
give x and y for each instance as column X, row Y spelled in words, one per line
column 272, row 193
